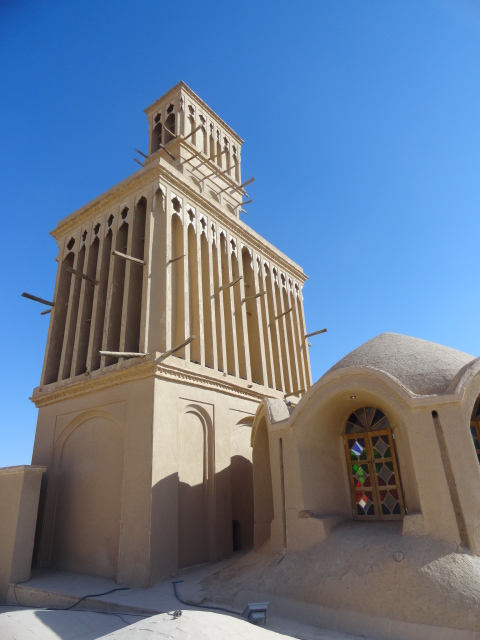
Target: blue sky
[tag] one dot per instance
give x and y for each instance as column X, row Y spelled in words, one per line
column 362, row 129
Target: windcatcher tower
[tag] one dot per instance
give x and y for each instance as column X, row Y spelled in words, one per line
column 148, row 457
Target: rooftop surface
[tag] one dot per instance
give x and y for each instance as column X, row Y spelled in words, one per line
column 137, row 613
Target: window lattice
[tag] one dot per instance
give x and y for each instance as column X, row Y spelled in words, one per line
column 373, row 473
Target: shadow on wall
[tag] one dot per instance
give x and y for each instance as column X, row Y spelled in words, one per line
column 262, row 480
column 187, row 529
column 83, row 503
column 241, row 482
column 196, row 516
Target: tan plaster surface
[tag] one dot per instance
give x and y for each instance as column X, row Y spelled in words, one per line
column 54, row 589
column 380, row 576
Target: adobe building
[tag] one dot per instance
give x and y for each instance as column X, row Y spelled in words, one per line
column 172, row 320
column 164, row 438
column 367, row 495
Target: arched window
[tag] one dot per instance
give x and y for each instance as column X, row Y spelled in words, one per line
column 157, row 134
column 475, row 427
column 372, row 466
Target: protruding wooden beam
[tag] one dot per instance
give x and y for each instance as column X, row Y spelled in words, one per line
column 44, row 313
column 295, row 392
column 262, row 293
column 195, row 155
column 79, row 274
column 230, row 284
column 192, row 132
column 237, row 188
column 177, row 348
column 175, row 259
column 240, row 204
column 141, row 153
column 315, row 333
column 41, row 300
column 125, row 257
column 138, row 162
column 170, row 132
column 284, row 313
column 165, row 149
column 123, row 354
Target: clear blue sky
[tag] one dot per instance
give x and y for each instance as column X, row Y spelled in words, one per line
column 362, row 128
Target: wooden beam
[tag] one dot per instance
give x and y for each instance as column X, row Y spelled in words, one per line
column 175, row 259
column 79, row 274
column 315, row 333
column 230, row 284
column 295, row 392
column 284, row 313
column 262, row 293
column 30, row 297
column 177, row 348
column 125, row 257
column 123, row 354
column 237, row 188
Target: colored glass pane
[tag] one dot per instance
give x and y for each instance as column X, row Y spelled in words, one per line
column 357, row 449
column 361, row 475
column 365, row 505
column 389, row 500
column 354, row 420
column 377, row 416
column 385, row 473
column 381, row 445
column 373, row 465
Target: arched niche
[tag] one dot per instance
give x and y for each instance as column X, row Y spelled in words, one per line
column 319, row 433
column 241, row 484
column 195, row 487
column 262, row 484
column 88, row 476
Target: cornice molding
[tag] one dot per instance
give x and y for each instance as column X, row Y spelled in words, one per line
column 149, row 176
column 120, row 191
column 166, row 372
column 102, row 379
column 95, row 381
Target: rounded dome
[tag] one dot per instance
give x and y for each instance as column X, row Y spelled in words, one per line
column 423, row 367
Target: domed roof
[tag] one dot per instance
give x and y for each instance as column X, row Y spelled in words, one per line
column 423, row 367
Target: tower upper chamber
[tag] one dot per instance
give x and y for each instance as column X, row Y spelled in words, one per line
column 163, row 256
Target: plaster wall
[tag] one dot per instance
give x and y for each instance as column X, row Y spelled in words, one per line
column 85, row 497
column 19, row 495
column 454, row 419
column 191, row 473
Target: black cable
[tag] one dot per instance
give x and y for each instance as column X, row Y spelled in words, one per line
column 118, row 614
column 91, row 595
column 202, row 606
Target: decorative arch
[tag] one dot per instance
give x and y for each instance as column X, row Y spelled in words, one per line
column 241, row 484
column 195, row 486
column 84, row 500
column 320, row 418
column 262, row 482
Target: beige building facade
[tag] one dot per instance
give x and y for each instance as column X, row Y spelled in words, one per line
column 371, row 488
column 172, row 320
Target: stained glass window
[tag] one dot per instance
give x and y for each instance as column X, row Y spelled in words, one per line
column 373, row 474
column 475, row 427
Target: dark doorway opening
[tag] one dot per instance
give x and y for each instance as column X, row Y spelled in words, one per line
column 237, row 535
